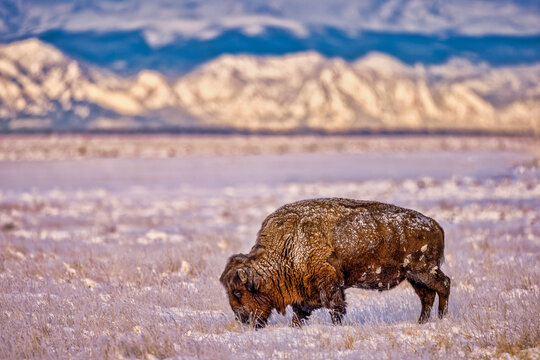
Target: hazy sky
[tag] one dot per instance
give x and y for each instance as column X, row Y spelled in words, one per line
column 162, row 20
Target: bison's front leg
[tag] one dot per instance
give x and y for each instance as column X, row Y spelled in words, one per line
column 300, row 315
column 333, row 295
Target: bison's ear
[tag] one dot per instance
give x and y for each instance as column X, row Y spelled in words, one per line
column 235, row 261
column 242, row 275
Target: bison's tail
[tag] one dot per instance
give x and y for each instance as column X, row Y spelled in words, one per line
column 442, row 258
column 442, row 238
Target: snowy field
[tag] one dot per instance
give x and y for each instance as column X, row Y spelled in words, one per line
column 111, row 247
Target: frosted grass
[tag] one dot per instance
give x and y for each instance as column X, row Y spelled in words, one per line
column 94, row 273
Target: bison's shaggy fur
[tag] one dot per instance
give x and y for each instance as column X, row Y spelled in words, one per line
column 308, row 252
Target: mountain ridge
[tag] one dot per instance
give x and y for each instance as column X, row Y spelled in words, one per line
column 43, row 89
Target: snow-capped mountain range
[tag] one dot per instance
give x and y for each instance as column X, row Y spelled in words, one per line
column 43, row 89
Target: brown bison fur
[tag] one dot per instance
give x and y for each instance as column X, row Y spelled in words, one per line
column 308, row 252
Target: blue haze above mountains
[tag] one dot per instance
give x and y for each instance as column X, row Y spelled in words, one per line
column 173, row 37
column 128, row 52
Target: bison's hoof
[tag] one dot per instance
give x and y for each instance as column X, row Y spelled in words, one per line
column 296, row 324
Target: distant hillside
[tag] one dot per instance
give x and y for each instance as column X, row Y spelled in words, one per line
column 43, row 89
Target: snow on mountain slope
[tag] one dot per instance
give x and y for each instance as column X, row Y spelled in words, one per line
column 376, row 92
column 42, row 88
column 38, row 81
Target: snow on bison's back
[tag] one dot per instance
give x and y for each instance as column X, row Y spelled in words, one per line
column 308, row 252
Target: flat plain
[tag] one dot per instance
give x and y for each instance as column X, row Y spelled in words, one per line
column 112, row 246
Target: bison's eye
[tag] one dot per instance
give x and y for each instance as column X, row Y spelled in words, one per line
column 237, row 294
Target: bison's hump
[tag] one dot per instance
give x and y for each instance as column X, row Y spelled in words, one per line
column 335, row 207
column 327, row 213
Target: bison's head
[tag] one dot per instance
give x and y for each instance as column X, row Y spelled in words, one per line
column 247, row 296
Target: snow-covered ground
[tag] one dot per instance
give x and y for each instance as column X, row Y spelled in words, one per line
column 120, row 258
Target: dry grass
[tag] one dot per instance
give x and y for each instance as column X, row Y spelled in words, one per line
column 134, row 274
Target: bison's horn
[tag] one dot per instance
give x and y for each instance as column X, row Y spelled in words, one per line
column 242, row 275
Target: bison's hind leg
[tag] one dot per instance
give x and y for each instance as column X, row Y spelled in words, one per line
column 427, row 297
column 444, row 293
column 435, row 281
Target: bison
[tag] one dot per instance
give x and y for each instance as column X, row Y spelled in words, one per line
column 308, row 252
